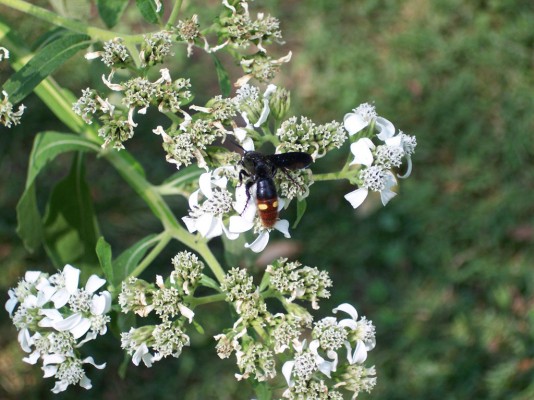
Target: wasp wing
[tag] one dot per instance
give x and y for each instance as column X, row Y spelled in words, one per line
column 292, row 160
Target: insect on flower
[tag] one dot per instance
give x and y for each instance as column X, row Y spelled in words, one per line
column 260, row 169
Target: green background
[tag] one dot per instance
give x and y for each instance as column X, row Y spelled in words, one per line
column 445, row 271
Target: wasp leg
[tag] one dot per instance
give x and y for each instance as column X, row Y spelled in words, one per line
column 247, row 191
column 243, row 173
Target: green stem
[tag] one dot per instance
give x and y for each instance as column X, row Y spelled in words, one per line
column 214, row 298
column 163, row 239
column 60, row 101
column 58, row 20
column 203, row 249
column 333, row 176
column 174, row 13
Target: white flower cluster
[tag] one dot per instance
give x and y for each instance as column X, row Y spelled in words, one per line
column 316, row 370
column 256, row 357
column 166, row 299
column 55, row 318
column 377, row 161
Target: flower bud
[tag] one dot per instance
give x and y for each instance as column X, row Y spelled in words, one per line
column 279, row 103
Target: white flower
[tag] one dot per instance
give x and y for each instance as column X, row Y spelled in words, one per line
column 363, row 331
column 68, row 371
column 386, row 180
column 360, row 118
column 207, row 218
column 307, row 361
column 246, row 221
column 87, row 305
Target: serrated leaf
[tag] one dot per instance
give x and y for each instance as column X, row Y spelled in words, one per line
column 222, row 76
column 42, row 64
column 46, row 147
column 301, row 209
column 70, row 229
column 103, row 252
column 111, row 10
column 147, row 8
column 126, row 262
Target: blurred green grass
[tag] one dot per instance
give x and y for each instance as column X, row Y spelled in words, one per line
column 445, row 271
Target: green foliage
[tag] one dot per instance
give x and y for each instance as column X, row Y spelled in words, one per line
column 445, row 271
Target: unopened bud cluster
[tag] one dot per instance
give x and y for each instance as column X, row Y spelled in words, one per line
column 168, row 299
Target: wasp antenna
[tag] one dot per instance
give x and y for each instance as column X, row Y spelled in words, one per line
column 236, row 144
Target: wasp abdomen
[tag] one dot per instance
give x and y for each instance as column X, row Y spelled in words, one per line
column 267, row 202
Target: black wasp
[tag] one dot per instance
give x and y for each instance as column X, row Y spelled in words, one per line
column 260, row 170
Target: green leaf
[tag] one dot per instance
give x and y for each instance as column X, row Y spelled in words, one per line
column 209, row 282
column 222, row 76
column 301, row 209
column 70, row 226
column 111, row 10
column 29, row 224
column 125, row 264
column 103, row 252
column 184, row 176
column 199, row 328
column 46, row 147
column 147, row 8
column 261, row 389
column 42, row 64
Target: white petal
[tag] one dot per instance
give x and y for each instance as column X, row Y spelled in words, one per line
column 259, row 244
column 204, row 182
column 186, row 312
column 360, row 353
column 49, row 370
column 60, row 298
column 386, row 196
column 190, row 223
column 230, row 235
column 216, row 228
column 72, row 277
column 25, row 340
column 385, row 128
column 53, row 359
column 85, row 382
column 283, row 226
column 101, row 304
column 32, row 358
column 354, row 123
column 45, row 295
column 408, row 170
column 81, row 329
column 142, row 354
column 68, row 323
column 51, row 317
column 94, row 283
column 12, row 302
column 348, row 323
column 90, row 360
column 239, row 224
column 348, row 308
column 362, row 152
column 287, row 368
column 32, row 276
column 60, row 386
column 205, row 224
column 356, row 197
